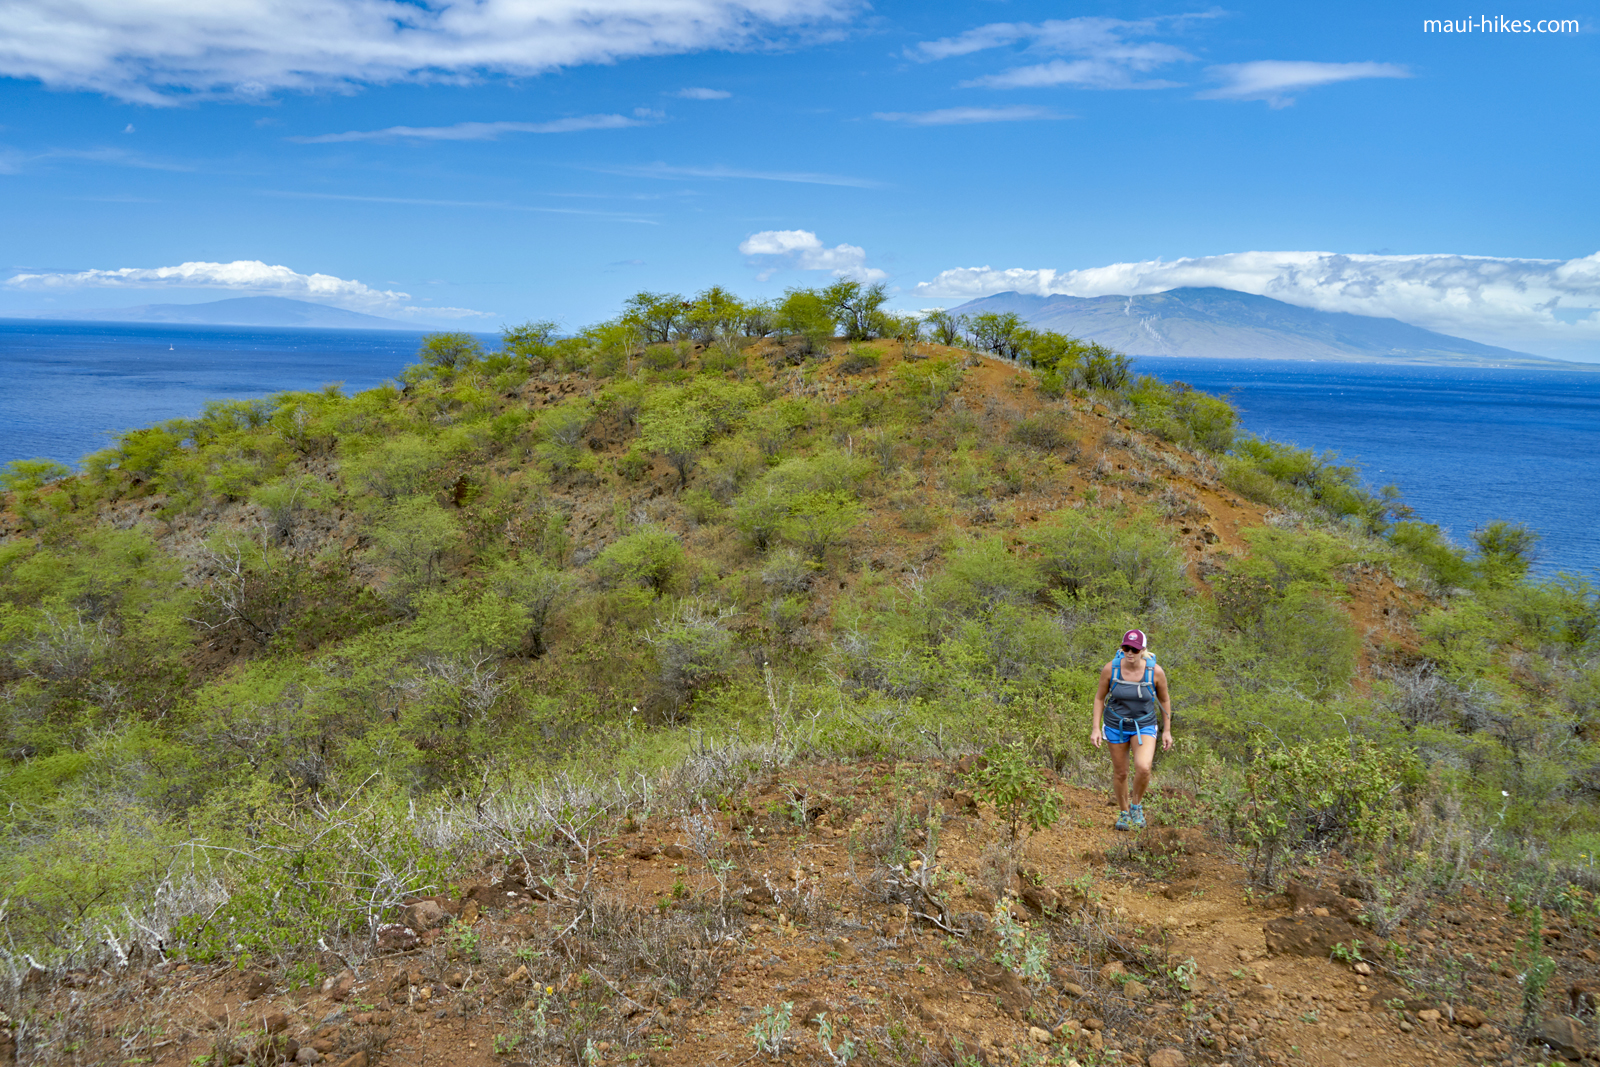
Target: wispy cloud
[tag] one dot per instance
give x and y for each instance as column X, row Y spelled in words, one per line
column 478, row 131
column 1106, row 53
column 721, row 173
column 240, row 276
column 1273, row 80
column 703, row 94
column 775, row 250
column 963, row 116
column 159, row 52
column 1541, row 305
column 491, row 205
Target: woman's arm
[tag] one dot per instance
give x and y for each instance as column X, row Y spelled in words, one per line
column 1166, row 707
column 1096, row 734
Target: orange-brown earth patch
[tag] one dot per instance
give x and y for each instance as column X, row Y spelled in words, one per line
column 671, row 943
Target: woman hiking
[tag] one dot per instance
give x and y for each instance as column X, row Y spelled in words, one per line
column 1132, row 688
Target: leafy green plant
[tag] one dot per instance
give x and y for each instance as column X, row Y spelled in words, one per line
column 1350, row 953
column 1537, row 970
column 1183, row 974
column 1022, row 951
column 839, row 1049
column 1019, row 790
column 1318, row 795
column 770, row 1034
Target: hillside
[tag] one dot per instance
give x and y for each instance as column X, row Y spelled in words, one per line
column 621, row 649
column 1221, row 323
column 234, row 311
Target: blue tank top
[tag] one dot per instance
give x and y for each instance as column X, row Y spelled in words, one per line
column 1130, row 704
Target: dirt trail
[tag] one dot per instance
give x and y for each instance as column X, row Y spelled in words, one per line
column 688, row 938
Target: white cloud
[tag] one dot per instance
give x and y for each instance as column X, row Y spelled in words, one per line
column 1547, row 306
column 703, row 94
column 156, row 51
column 240, row 276
column 803, row 250
column 1273, row 80
column 1108, row 53
column 476, row 131
column 962, row 116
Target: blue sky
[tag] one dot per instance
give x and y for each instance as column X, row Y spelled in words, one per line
column 486, row 163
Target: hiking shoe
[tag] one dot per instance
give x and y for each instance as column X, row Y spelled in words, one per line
column 1136, row 817
column 1124, row 821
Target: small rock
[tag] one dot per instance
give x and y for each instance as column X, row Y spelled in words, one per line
column 1563, row 1034
column 1092, row 1024
column 1134, row 989
column 1073, row 989
column 1039, row 1034
column 275, row 1022
column 307, row 1054
column 1470, row 1017
column 1111, row 971
column 255, row 985
column 396, row 937
column 1168, row 1057
column 469, row 912
column 1432, row 1015
column 1362, row 967
column 358, row 1060
column 424, row 915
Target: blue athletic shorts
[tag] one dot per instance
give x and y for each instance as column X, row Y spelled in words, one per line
column 1121, row 737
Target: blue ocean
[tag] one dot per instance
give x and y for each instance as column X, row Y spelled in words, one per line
column 1465, row 445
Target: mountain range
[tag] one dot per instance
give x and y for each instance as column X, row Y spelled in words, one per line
column 235, row 311
column 1222, row 323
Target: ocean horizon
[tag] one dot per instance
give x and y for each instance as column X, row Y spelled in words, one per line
column 1465, row 445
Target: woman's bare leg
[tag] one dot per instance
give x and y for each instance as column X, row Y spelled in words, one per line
column 1144, row 756
column 1119, row 774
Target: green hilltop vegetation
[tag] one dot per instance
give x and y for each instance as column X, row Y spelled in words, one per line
column 271, row 669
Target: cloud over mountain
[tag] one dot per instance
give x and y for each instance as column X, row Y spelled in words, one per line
column 243, row 275
column 1539, row 305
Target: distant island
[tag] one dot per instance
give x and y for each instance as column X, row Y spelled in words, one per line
column 235, row 311
column 1222, row 323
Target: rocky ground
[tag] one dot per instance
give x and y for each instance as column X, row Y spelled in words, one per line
column 868, row 913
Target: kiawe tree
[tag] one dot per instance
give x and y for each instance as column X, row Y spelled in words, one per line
column 856, row 308
column 658, row 315
column 450, row 352
column 678, row 432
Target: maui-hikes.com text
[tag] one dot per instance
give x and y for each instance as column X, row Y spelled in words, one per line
column 1500, row 24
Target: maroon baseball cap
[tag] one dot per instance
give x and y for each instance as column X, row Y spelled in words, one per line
column 1134, row 639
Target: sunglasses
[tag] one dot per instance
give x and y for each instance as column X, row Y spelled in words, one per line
column 1130, row 648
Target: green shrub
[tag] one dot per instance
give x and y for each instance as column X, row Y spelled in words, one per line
column 1019, row 790
column 648, row 558
column 1121, row 562
column 1337, row 793
column 412, row 539
column 1047, row 431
